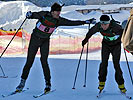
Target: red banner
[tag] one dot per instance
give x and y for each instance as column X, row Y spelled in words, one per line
column 3, row 32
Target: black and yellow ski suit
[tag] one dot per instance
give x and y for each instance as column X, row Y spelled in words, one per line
column 40, row 37
column 110, row 45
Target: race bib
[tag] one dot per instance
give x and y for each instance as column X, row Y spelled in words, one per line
column 45, row 28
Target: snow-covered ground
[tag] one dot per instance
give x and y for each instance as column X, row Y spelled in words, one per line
column 63, row 67
column 13, row 13
column 63, row 73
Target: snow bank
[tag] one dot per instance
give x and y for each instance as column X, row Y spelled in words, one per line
column 13, row 13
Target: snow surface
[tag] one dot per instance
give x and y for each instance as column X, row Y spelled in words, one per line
column 13, row 13
column 63, row 73
column 63, row 67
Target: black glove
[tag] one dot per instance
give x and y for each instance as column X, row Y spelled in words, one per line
column 28, row 14
column 91, row 21
column 84, row 41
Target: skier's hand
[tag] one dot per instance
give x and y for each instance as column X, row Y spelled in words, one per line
column 84, row 41
column 28, row 14
column 91, row 21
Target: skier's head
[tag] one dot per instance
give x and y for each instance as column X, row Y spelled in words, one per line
column 105, row 21
column 56, row 9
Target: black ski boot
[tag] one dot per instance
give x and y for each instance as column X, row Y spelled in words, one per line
column 20, row 87
column 48, row 87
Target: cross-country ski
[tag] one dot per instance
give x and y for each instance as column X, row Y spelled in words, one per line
column 9, row 76
column 42, row 94
column 127, row 96
column 14, row 92
column 100, row 93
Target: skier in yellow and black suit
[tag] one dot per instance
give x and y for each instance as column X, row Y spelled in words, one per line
column 111, row 44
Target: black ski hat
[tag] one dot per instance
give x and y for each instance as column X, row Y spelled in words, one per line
column 56, row 7
column 104, row 19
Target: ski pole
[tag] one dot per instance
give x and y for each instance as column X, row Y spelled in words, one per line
column 10, row 43
column 12, row 38
column 86, row 66
column 86, row 61
column 78, row 68
column 128, row 67
column 2, row 71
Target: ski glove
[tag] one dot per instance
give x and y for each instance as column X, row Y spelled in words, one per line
column 91, row 21
column 84, row 41
column 28, row 14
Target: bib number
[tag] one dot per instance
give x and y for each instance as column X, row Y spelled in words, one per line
column 46, row 29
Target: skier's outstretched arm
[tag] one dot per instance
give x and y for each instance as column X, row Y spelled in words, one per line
column 67, row 22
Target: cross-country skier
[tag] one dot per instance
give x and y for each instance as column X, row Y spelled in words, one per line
column 111, row 44
column 45, row 26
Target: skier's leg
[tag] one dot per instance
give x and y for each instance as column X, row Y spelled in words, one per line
column 103, row 66
column 44, row 49
column 118, row 72
column 32, row 50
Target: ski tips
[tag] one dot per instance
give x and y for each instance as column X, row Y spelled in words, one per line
column 3, row 96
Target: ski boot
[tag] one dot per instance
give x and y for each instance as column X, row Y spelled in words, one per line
column 20, row 87
column 101, row 86
column 122, row 88
column 48, row 87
